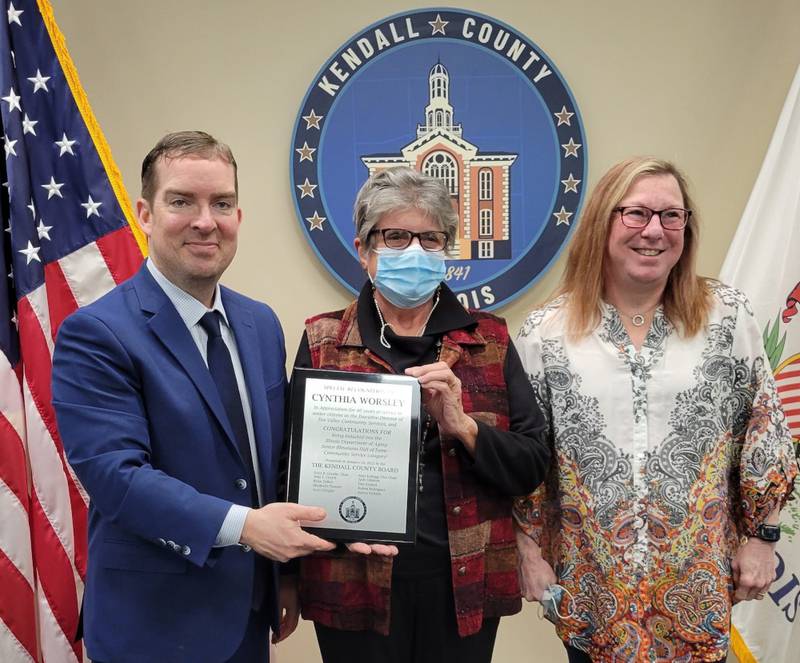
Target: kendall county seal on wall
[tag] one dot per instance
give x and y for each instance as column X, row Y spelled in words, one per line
column 464, row 98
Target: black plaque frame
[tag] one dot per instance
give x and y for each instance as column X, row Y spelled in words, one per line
column 296, row 444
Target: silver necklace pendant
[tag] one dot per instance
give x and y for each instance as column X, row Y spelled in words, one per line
column 637, row 320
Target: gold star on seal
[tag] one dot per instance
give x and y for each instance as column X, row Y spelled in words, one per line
column 570, row 184
column 438, row 25
column 562, row 216
column 563, row 117
column 312, row 120
column 570, row 149
column 307, row 189
column 315, row 221
column 305, row 152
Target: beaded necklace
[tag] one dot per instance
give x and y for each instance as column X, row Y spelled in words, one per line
column 385, row 324
column 426, row 431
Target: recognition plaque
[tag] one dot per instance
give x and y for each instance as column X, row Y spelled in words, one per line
column 353, row 450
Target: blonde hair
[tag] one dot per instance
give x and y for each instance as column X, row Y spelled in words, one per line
column 686, row 296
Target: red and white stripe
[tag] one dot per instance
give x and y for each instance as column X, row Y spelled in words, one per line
column 788, row 381
column 43, row 535
column 18, row 640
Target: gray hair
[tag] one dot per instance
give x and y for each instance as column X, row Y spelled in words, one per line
column 402, row 188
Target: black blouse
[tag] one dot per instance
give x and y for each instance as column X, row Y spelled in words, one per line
column 514, row 462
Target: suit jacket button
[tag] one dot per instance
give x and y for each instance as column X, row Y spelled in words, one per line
column 172, row 545
column 186, row 550
column 161, row 542
column 241, row 484
column 462, row 570
column 456, row 510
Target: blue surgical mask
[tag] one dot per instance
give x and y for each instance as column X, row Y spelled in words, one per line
column 551, row 600
column 408, row 277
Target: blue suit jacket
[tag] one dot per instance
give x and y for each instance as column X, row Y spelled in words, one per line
column 147, row 434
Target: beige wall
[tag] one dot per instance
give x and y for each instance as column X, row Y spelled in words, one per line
column 240, row 68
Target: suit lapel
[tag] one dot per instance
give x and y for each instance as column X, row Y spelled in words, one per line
column 249, row 347
column 170, row 330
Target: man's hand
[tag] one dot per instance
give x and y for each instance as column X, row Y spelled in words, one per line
column 288, row 609
column 372, row 549
column 274, row 531
column 753, row 570
column 535, row 574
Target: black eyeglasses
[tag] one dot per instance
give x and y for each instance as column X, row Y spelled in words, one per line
column 637, row 216
column 398, row 238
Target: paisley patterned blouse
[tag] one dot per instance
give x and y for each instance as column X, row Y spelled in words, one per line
column 663, row 459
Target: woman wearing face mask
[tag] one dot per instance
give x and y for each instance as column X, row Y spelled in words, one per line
column 672, row 457
column 441, row 599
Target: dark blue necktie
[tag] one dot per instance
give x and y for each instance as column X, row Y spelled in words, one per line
column 220, row 366
column 221, row 369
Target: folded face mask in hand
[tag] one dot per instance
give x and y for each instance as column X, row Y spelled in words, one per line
column 551, row 601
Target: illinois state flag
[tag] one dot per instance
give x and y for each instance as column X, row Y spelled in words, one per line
column 764, row 261
column 67, row 237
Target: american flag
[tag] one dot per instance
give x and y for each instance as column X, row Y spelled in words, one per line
column 68, row 237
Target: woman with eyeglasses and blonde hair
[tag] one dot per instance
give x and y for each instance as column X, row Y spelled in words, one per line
column 671, row 456
column 482, row 443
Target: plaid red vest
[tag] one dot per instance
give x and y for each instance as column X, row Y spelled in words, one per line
column 351, row 592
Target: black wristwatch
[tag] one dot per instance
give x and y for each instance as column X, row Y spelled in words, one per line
column 770, row 533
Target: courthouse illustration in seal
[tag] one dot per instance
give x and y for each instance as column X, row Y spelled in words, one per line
column 478, row 182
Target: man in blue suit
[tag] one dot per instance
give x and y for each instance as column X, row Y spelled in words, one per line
column 169, row 394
